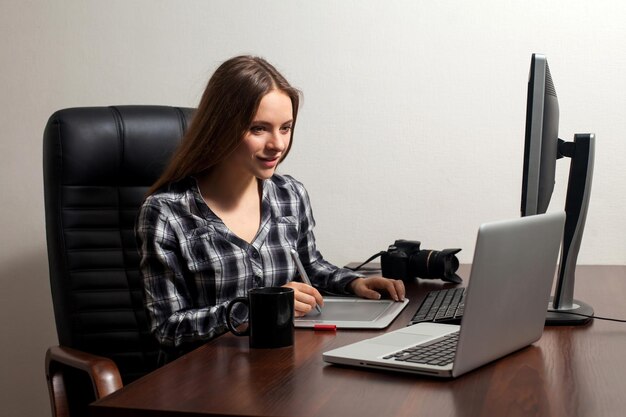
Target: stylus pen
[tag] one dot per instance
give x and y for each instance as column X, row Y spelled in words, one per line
column 305, row 277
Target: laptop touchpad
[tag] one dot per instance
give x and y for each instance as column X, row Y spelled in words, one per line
column 400, row 339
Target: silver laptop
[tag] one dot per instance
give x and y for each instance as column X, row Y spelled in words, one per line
column 505, row 306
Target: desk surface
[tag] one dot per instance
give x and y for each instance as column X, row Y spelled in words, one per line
column 570, row 371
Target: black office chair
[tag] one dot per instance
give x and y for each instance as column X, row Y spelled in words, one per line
column 98, row 164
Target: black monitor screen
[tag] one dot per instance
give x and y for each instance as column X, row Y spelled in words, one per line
column 542, row 131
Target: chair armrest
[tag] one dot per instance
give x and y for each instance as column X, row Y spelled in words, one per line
column 102, row 371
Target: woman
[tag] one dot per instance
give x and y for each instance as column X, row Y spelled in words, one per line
column 219, row 221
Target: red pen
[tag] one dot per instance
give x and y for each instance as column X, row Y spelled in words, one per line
column 331, row 327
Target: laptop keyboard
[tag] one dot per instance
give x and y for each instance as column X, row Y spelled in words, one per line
column 442, row 305
column 438, row 352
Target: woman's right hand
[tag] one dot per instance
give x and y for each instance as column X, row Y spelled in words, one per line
column 305, row 298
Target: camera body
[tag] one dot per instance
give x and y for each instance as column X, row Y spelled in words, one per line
column 396, row 261
column 405, row 260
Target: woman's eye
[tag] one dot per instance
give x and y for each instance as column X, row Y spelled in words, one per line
column 285, row 129
column 256, row 129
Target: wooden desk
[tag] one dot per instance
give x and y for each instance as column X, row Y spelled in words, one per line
column 571, row 371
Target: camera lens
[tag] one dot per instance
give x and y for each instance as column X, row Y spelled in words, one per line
column 426, row 264
column 429, row 263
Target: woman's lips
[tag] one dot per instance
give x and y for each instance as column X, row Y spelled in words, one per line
column 269, row 162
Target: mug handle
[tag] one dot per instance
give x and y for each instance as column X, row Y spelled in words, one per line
column 242, row 300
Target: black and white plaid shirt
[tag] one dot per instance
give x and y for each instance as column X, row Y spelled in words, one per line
column 192, row 265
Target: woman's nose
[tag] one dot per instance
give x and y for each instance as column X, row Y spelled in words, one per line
column 277, row 141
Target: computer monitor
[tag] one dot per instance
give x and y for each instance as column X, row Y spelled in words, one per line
column 542, row 148
column 542, row 135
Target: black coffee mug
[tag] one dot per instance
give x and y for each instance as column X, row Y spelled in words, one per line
column 270, row 317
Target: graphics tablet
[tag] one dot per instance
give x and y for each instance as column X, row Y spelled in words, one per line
column 353, row 313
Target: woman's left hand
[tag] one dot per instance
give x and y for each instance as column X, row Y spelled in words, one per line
column 371, row 287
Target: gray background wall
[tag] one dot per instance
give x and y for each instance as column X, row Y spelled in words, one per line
column 412, row 124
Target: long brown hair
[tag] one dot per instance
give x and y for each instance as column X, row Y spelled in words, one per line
column 224, row 114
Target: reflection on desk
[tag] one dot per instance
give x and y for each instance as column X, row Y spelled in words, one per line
column 571, row 371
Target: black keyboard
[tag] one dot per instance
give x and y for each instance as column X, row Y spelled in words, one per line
column 441, row 306
column 438, row 352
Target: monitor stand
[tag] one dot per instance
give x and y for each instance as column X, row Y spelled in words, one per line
column 562, row 305
column 569, row 316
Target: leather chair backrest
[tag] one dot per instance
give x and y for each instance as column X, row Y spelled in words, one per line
column 98, row 164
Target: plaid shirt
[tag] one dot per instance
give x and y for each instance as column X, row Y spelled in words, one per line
column 192, row 265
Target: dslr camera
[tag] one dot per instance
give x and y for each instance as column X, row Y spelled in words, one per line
column 405, row 260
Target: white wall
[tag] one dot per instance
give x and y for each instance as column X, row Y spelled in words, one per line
column 412, row 124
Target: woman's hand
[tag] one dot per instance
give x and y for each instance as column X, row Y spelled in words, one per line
column 371, row 287
column 305, row 298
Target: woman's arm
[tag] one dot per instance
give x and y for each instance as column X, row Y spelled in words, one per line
column 168, row 299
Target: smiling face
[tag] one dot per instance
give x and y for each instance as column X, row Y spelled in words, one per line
column 267, row 138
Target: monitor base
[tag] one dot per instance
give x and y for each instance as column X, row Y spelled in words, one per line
column 561, row 317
